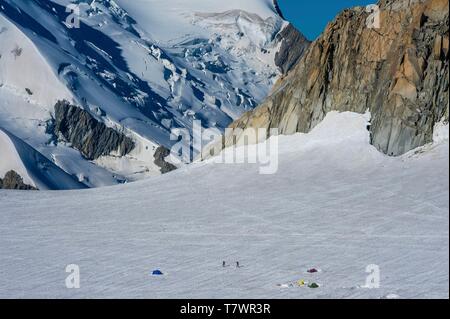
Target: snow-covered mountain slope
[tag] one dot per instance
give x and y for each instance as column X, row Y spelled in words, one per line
column 336, row 204
column 141, row 67
column 29, row 89
column 170, row 21
column 35, row 169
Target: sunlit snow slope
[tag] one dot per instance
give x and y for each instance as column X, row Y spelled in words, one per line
column 335, row 204
column 141, row 67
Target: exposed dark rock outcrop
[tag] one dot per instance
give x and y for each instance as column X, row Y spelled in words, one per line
column 293, row 47
column 400, row 72
column 14, row 181
column 160, row 160
column 91, row 137
column 277, row 7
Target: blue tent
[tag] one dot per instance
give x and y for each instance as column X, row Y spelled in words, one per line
column 157, row 273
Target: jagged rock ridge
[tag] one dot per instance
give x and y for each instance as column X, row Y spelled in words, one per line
column 91, row 137
column 14, row 181
column 293, row 47
column 399, row 72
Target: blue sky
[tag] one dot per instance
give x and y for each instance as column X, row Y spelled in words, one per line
column 311, row 16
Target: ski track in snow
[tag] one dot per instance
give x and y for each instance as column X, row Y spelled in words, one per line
column 337, row 206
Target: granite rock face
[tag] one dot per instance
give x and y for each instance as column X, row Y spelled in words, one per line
column 293, row 47
column 91, row 137
column 399, row 72
column 14, row 181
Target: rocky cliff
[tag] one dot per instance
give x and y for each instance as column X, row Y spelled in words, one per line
column 12, row 180
column 293, row 47
column 91, row 137
column 398, row 70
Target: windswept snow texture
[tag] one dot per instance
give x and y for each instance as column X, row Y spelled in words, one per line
column 142, row 66
column 32, row 166
column 336, row 205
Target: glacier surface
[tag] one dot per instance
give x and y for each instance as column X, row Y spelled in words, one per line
column 335, row 204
